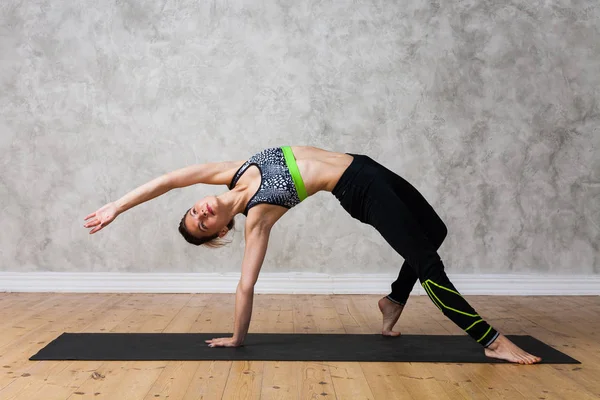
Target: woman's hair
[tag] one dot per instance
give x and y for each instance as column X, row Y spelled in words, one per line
column 213, row 241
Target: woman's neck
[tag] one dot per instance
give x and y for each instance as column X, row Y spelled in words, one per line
column 234, row 201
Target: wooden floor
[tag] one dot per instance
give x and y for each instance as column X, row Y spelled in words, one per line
column 28, row 321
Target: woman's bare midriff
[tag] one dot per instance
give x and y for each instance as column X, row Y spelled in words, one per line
column 320, row 169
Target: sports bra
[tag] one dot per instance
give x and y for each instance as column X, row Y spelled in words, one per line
column 281, row 183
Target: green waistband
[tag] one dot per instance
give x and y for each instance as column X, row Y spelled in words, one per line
column 290, row 160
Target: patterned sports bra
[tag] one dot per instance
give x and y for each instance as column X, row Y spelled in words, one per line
column 281, row 183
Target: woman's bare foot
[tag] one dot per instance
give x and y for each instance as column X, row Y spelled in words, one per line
column 504, row 349
column 391, row 312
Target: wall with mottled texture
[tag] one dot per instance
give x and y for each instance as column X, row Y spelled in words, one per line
column 490, row 108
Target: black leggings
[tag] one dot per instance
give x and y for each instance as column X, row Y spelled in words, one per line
column 379, row 197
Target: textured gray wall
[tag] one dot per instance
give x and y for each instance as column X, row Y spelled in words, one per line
column 490, row 108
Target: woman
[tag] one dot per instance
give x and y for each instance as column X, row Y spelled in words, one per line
column 272, row 181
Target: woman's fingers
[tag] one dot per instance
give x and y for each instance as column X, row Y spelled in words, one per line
column 221, row 342
column 92, row 223
column 100, row 218
column 96, row 222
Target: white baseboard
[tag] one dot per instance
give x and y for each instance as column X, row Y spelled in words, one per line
column 289, row 283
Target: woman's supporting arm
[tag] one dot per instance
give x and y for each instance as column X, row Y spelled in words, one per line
column 254, row 255
column 256, row 247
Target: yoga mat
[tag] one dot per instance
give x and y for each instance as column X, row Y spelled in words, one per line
column 284, row 347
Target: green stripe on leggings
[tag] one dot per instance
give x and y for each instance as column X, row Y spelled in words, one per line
column 290, row 160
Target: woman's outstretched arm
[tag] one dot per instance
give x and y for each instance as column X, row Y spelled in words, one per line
column 107, row 213
column 217, row 173
column 211, row 173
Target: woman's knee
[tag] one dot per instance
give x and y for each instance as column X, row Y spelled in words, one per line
column 443, row 231
column 434, row 271
column 439, row 234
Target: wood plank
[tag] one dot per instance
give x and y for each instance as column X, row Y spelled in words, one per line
column 348, row 378
column 384, row 381
column 217, row 316
column 69, row 376
column 351, row 316
column 31, row 337
column 28, row 375
column 452, row 378
column 428, row 380
column 315, row 377
column 349, row 381
column 24, row 301
column 127, row 378
column 135, row 379
column 359, row 317
column 567, row 381
column 526, row 380
column 28, row 320
column 275, row 313
column 208, row 381
column 211, row 377
column 503, row 380
column 62, row 378
column 245, row 380
column 176, row 377
column 281, row 379
column 245, row 377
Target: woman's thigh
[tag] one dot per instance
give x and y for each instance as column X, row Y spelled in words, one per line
column 416, row 203
column 398, row 225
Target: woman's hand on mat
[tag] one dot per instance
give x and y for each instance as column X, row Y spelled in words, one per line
column 223, row 342
column 102, row 217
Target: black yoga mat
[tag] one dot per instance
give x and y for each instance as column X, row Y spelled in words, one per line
column 284, row 347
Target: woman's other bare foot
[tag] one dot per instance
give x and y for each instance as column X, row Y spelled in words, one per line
column 391, row 312
column 504, row 349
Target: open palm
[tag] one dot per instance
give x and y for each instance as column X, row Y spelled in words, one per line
column 102, row 217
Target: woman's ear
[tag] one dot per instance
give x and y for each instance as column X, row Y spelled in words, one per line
column 223, row 232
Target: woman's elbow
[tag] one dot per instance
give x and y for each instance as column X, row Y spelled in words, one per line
column 246, row 287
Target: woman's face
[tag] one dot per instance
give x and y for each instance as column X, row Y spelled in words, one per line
column 205, row 219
